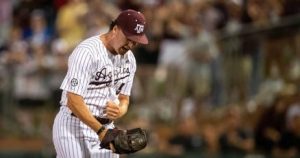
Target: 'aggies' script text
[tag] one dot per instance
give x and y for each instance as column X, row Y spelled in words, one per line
column 104, row 77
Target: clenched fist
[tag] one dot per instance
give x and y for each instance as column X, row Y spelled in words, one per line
column 112, row 110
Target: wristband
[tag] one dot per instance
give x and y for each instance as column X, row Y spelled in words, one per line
column 101, row 129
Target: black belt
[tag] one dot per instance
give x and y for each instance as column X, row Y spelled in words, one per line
column 103, row 121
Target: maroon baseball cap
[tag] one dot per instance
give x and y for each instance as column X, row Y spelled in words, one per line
column 132, row 24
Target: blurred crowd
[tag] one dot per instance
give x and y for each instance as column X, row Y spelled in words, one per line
column 218, row 76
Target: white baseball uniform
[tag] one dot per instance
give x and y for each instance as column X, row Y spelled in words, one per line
column 94, row 73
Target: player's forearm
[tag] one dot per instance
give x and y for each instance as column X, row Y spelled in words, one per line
column 123, row 109
column 124, row 102
column 78, row 107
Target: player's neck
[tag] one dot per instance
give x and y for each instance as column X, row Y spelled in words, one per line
column 106, row 40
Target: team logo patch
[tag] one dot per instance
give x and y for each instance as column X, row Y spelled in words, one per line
column 139, row 28
column 74, row 82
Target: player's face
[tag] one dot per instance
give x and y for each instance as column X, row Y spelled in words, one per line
column 124, row 44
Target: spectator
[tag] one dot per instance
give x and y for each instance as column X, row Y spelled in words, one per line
column 70, row 23
column 15, row 49
column 202, row 72
column 147, row 57
column 235, row 139
column 38, row 33
column 5, row 19
column 271, row 125
column 289, row 144
column 210, row 134
column 187, row 136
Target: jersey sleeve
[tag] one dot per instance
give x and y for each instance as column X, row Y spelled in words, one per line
column 126, row 90
column 79, row 71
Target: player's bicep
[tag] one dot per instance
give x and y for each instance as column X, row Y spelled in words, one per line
column 74, row 99
column 78, row 75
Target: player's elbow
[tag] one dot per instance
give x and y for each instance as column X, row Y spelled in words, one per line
column 74, row 100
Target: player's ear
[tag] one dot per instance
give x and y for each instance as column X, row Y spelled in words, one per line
column 115, row 29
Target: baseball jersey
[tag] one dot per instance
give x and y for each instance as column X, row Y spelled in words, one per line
column 95, row 73
column 98, row 76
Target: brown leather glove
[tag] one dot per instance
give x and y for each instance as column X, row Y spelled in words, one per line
column 125, row 141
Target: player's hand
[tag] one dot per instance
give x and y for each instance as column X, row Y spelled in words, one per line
column 112, row 110
column 101, row 136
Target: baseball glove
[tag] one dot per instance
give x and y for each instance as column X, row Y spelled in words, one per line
column 125, row 141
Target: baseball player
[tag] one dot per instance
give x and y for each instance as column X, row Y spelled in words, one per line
column 97, row 87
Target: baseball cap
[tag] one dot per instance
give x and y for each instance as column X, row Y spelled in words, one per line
column 132, row 24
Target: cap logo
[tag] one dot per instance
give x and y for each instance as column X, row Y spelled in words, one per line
column 139, row 28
